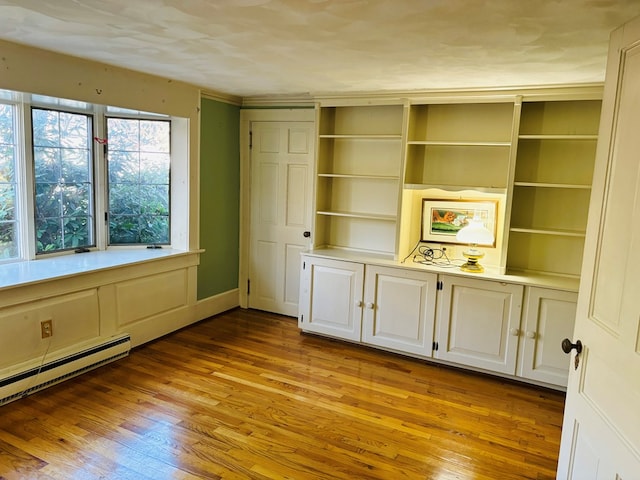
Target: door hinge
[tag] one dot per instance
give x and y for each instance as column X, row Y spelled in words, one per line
column 248, row 287
column 304, row 265
column 301, row 318
column 250, row 139
column 439, row 285
column 434, row 346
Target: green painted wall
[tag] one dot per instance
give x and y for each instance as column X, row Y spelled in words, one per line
column 219, row 197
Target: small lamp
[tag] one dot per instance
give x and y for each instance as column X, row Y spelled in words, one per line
column 475, row 233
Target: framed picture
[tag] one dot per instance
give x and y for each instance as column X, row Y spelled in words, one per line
column 441, row 219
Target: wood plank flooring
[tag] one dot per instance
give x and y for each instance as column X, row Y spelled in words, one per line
column 244, row 395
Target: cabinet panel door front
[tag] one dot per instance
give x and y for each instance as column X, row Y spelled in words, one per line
column 549, row 316
column 333, row 303
column 399, row 309
column 478, row 323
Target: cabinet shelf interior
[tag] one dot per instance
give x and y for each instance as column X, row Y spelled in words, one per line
column 371, row 177
column 378, row 196
column 563, row 117
column 356, row 234
column 553, row 254
column 365, row 158
column 352, row 214
column 363, row 121
column 560, row 162
column 546, row 208
column 470, row 166
column 462, row 122
column 363, row 137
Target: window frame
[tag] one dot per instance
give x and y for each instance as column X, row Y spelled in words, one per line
column 18, row 177
column 25, row 171
column 140, row 116
column 92, row 213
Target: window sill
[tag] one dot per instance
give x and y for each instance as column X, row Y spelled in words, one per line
column 42, row 270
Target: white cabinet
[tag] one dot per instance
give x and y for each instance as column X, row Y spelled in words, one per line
column 467, row 321
column 548, row 317
column 479, row 323
column 399, row 304
column 331, row 297
column 399, row 309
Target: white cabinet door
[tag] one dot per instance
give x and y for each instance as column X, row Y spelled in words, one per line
column 331, row 297
column 548, row 318
column 478, row 323
column 399, row 309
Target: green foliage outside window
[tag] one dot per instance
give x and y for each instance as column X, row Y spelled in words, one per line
column 138, row 181
column 138, row 164
column 63, row 180
column 8, row 221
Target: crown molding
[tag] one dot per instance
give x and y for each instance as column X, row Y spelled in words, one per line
column 303, row 100
column 221, row 97
column 583, row 91
column 578, row 91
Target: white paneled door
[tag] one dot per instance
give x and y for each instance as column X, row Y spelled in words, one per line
column 281, row 185
column 601, row 430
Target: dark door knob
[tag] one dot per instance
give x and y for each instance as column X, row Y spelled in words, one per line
column 306, row 234
column 567, row 346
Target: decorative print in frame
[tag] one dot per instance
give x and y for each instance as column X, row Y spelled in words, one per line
column 442, row 219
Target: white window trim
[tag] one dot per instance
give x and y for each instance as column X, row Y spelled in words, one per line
column 31, row 267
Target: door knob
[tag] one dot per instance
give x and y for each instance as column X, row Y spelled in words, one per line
column 567, row 346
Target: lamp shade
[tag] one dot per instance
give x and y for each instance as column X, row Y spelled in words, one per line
column 475, row 233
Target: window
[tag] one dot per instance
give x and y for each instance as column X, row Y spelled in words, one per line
column 138, row 176
column 8, row 186
column 63, row 171
column 77, row 177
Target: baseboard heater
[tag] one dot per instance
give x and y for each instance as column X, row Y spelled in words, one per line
column 34, row 379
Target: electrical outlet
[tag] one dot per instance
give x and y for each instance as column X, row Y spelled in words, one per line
column 46, row 327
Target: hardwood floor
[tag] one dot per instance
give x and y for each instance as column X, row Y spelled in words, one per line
column 245, row 395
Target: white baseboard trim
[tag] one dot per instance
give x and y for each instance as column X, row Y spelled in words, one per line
column 156, row 326
column 222, row 302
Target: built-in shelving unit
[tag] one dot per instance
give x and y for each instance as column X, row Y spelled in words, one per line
column 459, row 146
column 359, row 177
column 532, row 152
column 552, row 185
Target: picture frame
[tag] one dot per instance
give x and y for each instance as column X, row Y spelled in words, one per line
column 443, row 218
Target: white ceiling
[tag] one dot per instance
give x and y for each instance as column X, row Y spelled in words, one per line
column 265, row 47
